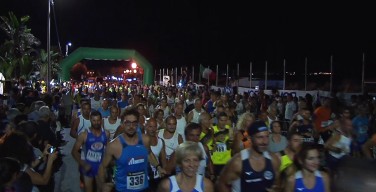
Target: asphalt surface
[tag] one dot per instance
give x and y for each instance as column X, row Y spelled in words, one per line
column 67, row 179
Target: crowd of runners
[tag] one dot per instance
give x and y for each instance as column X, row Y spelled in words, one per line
column 158, row 138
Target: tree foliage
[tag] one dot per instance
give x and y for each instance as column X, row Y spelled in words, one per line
column 19, row 56
column 18, row 48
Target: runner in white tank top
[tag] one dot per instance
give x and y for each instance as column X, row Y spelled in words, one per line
column 111, row 127
column 196, row 116
column 156, row 151
column 171, row 144
column 180, row 126
column 181, row 122
column 84, row 124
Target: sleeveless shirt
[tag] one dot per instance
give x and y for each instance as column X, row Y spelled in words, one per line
column 199, row 186
column 94, row 150
column 111, row 127
column 132, row 167
column 258, row 181
column 171, row 144
column 196, row 115
column 156, row 151
column 300, row 187
column 84, row 124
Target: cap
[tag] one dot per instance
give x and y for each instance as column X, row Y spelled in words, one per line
column 257, row 127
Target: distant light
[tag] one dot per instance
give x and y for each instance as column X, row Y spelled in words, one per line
column 69, row 44
column 134, row 65
column 135, row 71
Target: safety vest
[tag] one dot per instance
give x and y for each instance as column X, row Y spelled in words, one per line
column 222, row 151
column 207, row 139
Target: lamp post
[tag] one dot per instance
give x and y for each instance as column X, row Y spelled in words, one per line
column 69, row 44
column 50, row 3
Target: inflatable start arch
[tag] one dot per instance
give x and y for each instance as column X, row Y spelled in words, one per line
column 105, row 54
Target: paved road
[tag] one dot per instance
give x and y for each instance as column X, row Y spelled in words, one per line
column 67, row 178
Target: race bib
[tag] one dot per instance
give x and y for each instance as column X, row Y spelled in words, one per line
column 221, row 147
column 93, row 156
column 155, row 172
column 136, row 180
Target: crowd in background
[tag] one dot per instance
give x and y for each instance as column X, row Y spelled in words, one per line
column 302, row 133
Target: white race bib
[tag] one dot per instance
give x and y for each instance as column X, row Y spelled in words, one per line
column 155, row 172
column 93, row 156
column 136, row 180
column 221, row 147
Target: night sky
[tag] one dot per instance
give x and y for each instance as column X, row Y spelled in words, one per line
column 190, row 32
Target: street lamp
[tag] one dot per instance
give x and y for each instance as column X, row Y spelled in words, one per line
column 69, row 44
column 50, row 3
column 134, row 65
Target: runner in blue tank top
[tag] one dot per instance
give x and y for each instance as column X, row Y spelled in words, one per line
column 93, row 142
column 253, row 169
column 308, row 178
column 131, row 152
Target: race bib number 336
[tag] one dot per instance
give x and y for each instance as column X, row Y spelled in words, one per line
column 135, row 181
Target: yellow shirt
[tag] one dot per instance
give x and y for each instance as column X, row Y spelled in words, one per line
column 222, row 151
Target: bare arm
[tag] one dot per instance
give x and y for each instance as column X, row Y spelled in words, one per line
column 293, row 125
column 76, row 148
column 180, row 139
column 276, row 164
column 108, row 156
column 190, row 117
column 326, row 179
column 119, row 130
column 290, row 184
column 237, row 144
column 151, row 157
column 367, row 146
column 38, row 179
column 108, row 136
column 164, row 185
column 163, row 156
column 74, row 128
column 230, row 173
column 208, row 185
column 210, row 162
column 329, row 144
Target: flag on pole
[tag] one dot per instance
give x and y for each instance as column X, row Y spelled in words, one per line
column 216, row 77
column 284, row 74
column 250, row 75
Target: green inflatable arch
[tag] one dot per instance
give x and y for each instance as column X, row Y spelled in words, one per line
column 105, row 54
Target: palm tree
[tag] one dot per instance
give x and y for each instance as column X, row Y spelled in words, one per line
column 40, row 64
column 16, row 51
